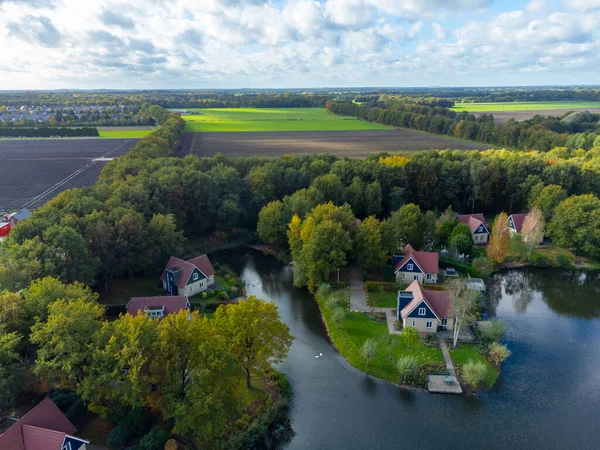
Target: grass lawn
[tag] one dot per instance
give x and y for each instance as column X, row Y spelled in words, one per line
column 383, row 299
column 273, row 119
column 124, row 134
column 349, row 337
column 466, row 352
column 123, row 289
column 522, row 106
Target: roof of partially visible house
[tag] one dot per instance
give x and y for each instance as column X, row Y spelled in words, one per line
column 438, row 301
column 172, row 304
column 39, row 429
column 187, row 267
column 427, row 261
column 20, row 215
column 472, row 221
column 518, row 220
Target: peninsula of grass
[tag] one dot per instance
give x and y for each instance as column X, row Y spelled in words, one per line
column 522, row 106
column 215, row 120
column 467, row 352
column 350, row 334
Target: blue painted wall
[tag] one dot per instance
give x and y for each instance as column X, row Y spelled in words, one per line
column 415, row 268
column 75, row 444
column 170, row 278
column 428, row 312
column 481, row 230
column 200, row 276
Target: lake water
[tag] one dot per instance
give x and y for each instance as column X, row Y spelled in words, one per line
column 548, row 395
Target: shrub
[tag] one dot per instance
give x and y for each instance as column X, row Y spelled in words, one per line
column 205, row 295
column 483, row 266
column 336, row 300
column 563, row 260
column 398, row 325
column 518, row 249
column 212, row 306
column 324, row 290
column 373, row 286
column 223, row 296
column 407, row 367
column 539, row 260
column 154, row 440
column 171, row 444
column 377, row 316
column 498, row 353
column 76, row 411
column 494, row 331
column 368, row 351
column 235, row 291
column 118, row 436
column 473, row 373
column 338, row 315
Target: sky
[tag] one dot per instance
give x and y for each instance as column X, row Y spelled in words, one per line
column 209, row 44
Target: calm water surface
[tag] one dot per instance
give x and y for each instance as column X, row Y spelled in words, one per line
column 548, row 395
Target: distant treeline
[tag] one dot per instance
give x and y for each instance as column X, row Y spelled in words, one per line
column 539, row 133
column 44, row 132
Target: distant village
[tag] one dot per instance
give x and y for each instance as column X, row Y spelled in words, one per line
column 53, row 115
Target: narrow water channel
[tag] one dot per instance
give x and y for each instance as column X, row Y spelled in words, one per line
column 548, row 395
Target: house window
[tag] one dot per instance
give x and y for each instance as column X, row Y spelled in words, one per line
column 444, row 321
column 409, row 267
column 195, row 276
column 429, row 276
column 429, row 324
column 403, row 277
column 421, row 311
column 415, row 277
column 191, row 289
column 202, row 285
column 414, row 323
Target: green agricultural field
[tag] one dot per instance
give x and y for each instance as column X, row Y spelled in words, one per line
column 523, row 106
column 279, row 119
column 124, row 134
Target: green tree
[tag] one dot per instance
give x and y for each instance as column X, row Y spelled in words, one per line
column 473, row 373
column 65, row 341
column 483, row 266
column 498, row 353
column 369, row 243
column 43, row 292
column 575, row 224
column 407, row 367
column 462, row 239
column 547, row 198
column 405, row 226
column 331, row 187
column 12, row 368
column 445, row 226
column 195, row 372
column 273, row 220
column 228, row 215
column 12, row 312
column 165, row 239
column 409, row 336
column 368, row 351
column 253, row 334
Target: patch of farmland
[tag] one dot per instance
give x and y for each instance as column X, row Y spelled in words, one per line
column 34, row 171
column 501, row 117
column 357, row 144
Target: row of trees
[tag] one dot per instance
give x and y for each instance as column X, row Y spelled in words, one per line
column 185, row 367
column 45, row 131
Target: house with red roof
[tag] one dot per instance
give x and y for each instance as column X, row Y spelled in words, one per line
column 522, row 223
column 476, row 224
column 420, row 266
column 45, row 427
column 425, row 310
column 158, row 307
column 188, row 278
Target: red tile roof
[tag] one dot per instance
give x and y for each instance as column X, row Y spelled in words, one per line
column 518, row 220
column 187, row 267
column 36, row 438
column 45, row 415
column 438, row 301
column 427, row 261
column 172, row 303
column 472, row 221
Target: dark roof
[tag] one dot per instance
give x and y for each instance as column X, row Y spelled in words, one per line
column 26, row 434
column 172, row 304
column 518, row 220
column 187, row 267
column 472, row 221
column 427, row 261
column 438, row 301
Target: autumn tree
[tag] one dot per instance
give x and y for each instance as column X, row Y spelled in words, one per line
column 498, row 247
column 463, row 305
column 498, row 353
column 534, row 225
column 65, row 340
column 253, row 334
column 369, row 243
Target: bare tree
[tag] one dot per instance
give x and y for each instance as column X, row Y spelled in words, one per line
column 464, row 302
column 534, row 225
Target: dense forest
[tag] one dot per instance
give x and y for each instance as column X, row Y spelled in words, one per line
column 49, row 132
column 575, row 130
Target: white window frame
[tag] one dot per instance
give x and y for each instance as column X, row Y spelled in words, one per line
column 202, row 285
column 195, row 276
column 415, row 277
column 414, row 324
column 191, row 288
column 422, row 311
column 429, row 276
column 409, row 267
column 444, row 321
column 429, row 324
column 402, row 276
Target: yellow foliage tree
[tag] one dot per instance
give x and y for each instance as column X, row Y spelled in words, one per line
column 500, row 241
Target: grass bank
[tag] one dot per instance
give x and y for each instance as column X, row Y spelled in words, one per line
column 211, row 120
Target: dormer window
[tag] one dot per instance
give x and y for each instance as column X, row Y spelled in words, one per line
column 195, row 276
column 409, row 266
column 422, row 311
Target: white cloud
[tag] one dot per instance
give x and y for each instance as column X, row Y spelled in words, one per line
column 583, row 5
column 224, row 43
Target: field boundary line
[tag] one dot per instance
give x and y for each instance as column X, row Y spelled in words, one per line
column 72, row 175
